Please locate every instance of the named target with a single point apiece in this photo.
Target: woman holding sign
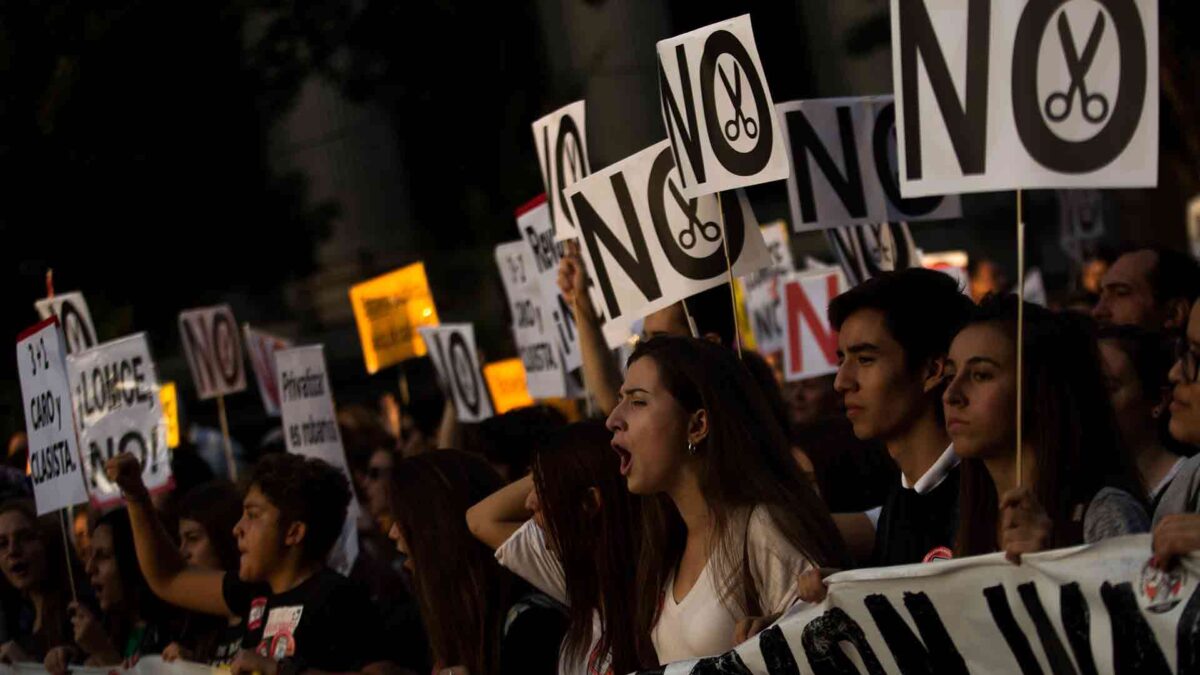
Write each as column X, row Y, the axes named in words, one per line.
column 733, row 522
column 1075, row 484
column 33, row 561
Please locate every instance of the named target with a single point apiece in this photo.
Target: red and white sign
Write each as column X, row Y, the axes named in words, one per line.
column 810, row 349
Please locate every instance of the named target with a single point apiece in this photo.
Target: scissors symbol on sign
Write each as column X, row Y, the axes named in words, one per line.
column 733, row 127
column 708, row 229
column 1060, row 104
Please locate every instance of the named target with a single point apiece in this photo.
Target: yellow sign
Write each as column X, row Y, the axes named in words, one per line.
column 170, row 408
column 506, row 381
column 388, row 311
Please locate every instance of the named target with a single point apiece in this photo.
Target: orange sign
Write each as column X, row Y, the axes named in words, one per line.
column 506, row 381
column 388, row 310
column 170, row 408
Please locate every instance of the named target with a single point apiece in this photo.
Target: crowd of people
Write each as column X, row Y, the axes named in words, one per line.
column 706, row 498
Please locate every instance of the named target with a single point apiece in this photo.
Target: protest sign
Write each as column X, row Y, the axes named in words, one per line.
column 169, row 399
column 561, row 142
column 54, row 464
column 1025, row 94
column 760, row 292
column 388, row 310
column 1101, row 609
column 262, row 347
column 310, row 429
column 843, row 157
column 864, row 251
column 648, row 246
column 506, row 382
column 532, row 326
column 74, row 318
column 214, row 350
column 718, row 110
column 114, row 387
column 810, row 349
column 452, row 348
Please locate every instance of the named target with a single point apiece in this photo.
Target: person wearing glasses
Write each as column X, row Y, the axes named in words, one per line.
column 1177, row 518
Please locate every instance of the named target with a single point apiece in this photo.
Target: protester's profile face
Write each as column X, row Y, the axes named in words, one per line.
column 1134, row 411
column 22, row 553
column 102, row 569
column 667, row 321
column 1126, row 298
column 811, row 400
column 402, row 547
column 259, row 536
column 880, row 394
column 1185, row 392
column 649, row 431
column 195, row 545
column 980, row 399
column 375, row 483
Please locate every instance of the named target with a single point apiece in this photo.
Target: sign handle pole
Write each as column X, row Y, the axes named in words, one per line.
column 225, row 437
column 1020, row 330
column 737, row 329
column 62, row 522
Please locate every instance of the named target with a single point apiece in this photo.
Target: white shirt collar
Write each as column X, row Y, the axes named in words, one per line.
column 935, row 475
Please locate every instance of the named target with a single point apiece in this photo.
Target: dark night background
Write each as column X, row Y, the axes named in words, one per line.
column 162, row 156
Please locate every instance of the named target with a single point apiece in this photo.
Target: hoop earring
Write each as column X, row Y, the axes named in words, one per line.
column 691, row 448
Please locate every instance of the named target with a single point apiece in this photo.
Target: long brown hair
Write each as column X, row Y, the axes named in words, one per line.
column 55, row 587
column 1069, row 422
column 744, row 462
column 596, row 545
column 462, row 591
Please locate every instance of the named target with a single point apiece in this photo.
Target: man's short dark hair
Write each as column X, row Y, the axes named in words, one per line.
column 1175, row 275
column 922, row 309
column 712, row 310
column 305, row 490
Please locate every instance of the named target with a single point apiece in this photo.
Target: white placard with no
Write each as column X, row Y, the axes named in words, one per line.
column 54, row 464
column 647, row 246
column 761, row 291
column 214, row 350
column 452, row 348
column 810, row 349
column 1006, row 95
column 114, row 387
column 717, row 109
column 561, row 142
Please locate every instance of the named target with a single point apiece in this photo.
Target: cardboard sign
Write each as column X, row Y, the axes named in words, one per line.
column 214, row 350
column 718, row 110
column 262, row 347
column 864, row 251
column 169, row 399
column 54, row 464
column 648, row 246
column 533, row 329
column 114, row 387
column 843, row 158
column 811, row 346
column 761, row 291
column 506, row 382
column 74, row 318
column 561, row 142
column 452, row 348
column 1025, row 94
column 310, row 428
column 534, row 226
column 388, row 310
column 1102, row 607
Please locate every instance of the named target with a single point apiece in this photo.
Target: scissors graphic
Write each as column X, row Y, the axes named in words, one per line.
column 1060, row 104
column 708, row 229
column 733, row 128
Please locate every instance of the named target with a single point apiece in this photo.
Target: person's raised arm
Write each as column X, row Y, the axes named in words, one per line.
column 493, row 520
column 601, row 376
column 165, row 571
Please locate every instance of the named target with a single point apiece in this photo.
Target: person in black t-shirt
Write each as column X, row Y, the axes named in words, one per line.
column 298, row 614
column 893, row 334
